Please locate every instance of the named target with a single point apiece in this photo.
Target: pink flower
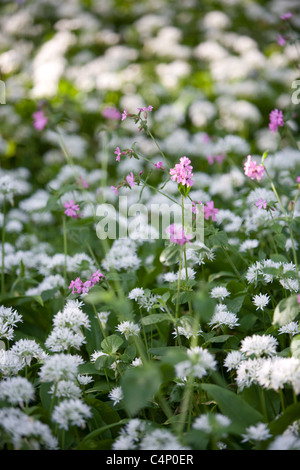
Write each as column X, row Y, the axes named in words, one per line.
column 261, row 203
column 111, row 113
column 182, row 173
column 253, row 170
column 286, row 16
column 159, row 166
column 40, row 120
column 276, row 119
column 76, row 286
column 215, row 158
column 194, row 207
column 83, row 182
column 124, row 114
column 80, row 287
column 280, row 40
column 146, row 109
column 118, row 153
column 97, row 276
column 298, row 179
column 177, row 235
column 71, row 209
column 130, row 179
column 298, row 299
column 114, row 190
column 210, row 211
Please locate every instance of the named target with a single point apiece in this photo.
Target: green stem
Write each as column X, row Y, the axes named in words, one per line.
column 3, row 253
column 157, row 145
column 178, row 287
column 65, row 250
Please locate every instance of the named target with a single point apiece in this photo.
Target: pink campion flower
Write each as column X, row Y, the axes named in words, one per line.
column 124, row 115
column 71, row 209
column 97, row 276
column 115, row 190
column 276, row 120
column 111, row 113
column 215, row 158
column 298, row 179
column 177, row 234
column 194, row 207
column 159, row 166
column 76, row 286
column 210, row 159
column 80, row 287
column 210, row 211
column 130, row 179
column 280, row 40
column 286, row 16
column 261, row 203
column 118, row 153
column 182, row 173
column 40, row 120
column 146, row 109
column 253, row 170
column 82, row 182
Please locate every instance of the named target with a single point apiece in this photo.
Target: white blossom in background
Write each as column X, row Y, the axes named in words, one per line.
column 71, row 412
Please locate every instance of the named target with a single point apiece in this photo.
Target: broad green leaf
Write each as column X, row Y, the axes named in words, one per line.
column 295, row 346
column 155, row 318
column 232, row 405
column 111, row 344
column 286, row 311
column 140, row 385
column 287, row 417
column 170, row 255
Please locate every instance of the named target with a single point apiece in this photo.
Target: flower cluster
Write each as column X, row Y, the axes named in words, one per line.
column 182, row 172
column 253, row 170
column 178, row 235
column 80, row 287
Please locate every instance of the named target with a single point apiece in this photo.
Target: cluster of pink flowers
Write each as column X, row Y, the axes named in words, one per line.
column 177, row 234
column 276, row 120
column 119, row 152
column 159, row 166
column 253, row 170
column 71, row 209
column 182, row 173
column 125, row 114
column 80, row 287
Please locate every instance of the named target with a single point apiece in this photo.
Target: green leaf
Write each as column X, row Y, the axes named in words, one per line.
column 140, row 385
column 295, row 346
column 286, row 311
column 219, row 239
column 170, row 255
column 155, row 318
column 287, row 417
column 111, row 344
column 239, row 411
